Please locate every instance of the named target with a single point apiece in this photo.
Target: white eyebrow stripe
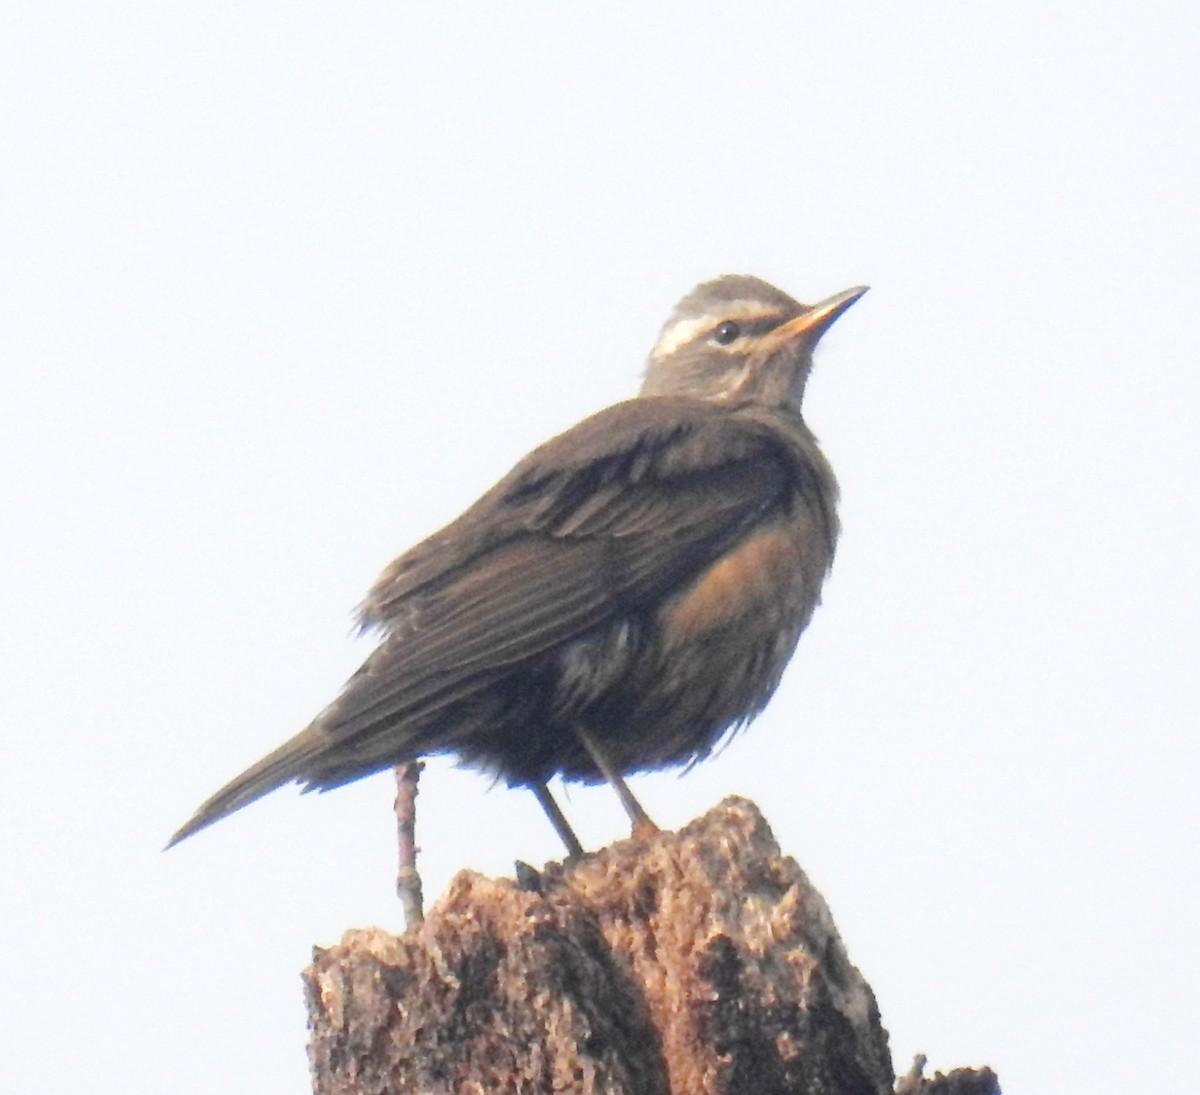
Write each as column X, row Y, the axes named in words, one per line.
column 680, row 332
column 683, row 331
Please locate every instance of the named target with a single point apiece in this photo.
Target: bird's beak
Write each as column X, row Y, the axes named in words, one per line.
column 818, row 319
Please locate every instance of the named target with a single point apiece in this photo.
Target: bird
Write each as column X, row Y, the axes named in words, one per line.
column 625, row 597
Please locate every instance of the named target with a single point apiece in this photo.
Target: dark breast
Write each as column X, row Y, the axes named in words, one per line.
column 714, row 652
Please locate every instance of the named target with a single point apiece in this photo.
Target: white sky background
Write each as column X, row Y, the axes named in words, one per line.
column 285, row 287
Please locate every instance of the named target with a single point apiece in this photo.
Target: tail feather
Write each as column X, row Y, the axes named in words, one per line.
column 291, row 761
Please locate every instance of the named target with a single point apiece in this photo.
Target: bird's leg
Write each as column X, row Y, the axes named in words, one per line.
column 640, row 820
column 557, row 819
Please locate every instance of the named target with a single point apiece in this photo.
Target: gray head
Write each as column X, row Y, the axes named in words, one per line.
column 739, row 340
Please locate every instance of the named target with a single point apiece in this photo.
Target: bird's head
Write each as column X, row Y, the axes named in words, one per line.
column 739, row 340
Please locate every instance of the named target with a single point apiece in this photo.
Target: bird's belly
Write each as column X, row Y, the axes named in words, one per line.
column 717, row 651
column 660, row 687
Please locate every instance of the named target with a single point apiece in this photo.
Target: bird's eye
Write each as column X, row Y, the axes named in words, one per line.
column 726, row 332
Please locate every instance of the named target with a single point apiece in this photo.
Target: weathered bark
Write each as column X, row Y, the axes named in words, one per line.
column 699, row 962
column 962, row 1081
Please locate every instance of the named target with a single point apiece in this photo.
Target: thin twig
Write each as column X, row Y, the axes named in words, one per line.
column 408, row 881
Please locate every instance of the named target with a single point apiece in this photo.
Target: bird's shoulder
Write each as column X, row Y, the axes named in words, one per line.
column 647, row 463
column 655, row 437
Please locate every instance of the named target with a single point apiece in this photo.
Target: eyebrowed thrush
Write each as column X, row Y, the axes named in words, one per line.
column 627, row 594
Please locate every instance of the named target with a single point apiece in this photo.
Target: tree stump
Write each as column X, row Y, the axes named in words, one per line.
column 701, row 962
